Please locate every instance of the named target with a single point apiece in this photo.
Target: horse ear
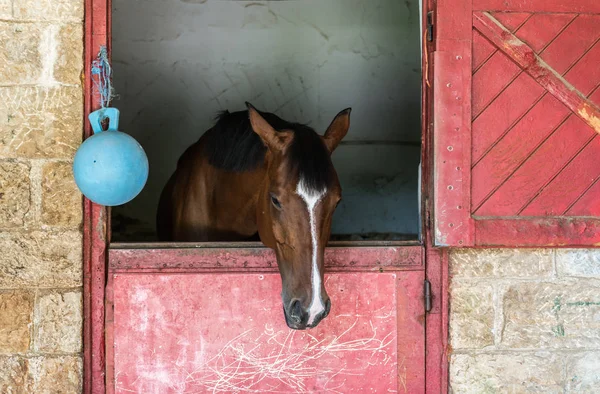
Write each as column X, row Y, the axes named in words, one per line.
column 272, row 138
column 337, row 130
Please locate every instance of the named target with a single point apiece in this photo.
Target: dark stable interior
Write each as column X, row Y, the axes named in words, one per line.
column 177, row 64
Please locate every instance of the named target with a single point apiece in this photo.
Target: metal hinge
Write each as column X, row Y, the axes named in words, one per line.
column 427, row 295
column 430, row 26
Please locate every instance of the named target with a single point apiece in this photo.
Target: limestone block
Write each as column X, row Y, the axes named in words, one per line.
column 13, row 375
column 14, row 193
column 539, row 372
column 40, row 258
column 471, row 315
column 66, row 10
column 39, row 122
column 583, row 373
column 5, row 9
column 497, row 263
column 16, row 312
column 20, row 60
column 51, row 375
column 58, row 321
column 69, row 54
column 61, row 200
column 557, row 315
column 44, row 54
column 578, row 262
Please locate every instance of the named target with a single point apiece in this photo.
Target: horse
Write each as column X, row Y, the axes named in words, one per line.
column 253, row 175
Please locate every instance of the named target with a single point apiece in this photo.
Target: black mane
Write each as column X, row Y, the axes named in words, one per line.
column 232, row 145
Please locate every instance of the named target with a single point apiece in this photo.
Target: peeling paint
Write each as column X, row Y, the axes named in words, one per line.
column 535, row 66
column 590, row 115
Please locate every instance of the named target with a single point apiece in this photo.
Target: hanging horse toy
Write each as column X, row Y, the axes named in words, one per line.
column 110, row 167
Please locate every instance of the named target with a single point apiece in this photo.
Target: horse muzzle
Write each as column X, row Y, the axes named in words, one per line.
column 296, row 316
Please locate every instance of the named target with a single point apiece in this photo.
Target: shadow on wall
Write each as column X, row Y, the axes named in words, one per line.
column 177, row 64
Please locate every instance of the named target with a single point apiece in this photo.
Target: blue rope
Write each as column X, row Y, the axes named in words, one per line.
column 102, row 77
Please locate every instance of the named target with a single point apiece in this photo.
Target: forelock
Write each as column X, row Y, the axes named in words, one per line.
column 310, row 158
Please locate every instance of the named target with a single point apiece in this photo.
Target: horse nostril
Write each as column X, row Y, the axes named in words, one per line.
column 296, row 310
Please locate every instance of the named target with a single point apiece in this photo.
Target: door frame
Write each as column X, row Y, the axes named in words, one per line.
column 96, row 218
column 96, row 227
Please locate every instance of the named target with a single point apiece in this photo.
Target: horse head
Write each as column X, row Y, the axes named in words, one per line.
column 295, row 207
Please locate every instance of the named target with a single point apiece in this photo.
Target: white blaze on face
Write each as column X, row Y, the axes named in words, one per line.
column 312, row 198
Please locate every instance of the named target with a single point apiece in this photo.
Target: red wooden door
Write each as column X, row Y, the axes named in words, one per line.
column 198, row 319
column 210, row 320
column 516, row 94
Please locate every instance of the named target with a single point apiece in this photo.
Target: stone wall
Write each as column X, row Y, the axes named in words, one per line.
column 525, row 321
column 41, row 114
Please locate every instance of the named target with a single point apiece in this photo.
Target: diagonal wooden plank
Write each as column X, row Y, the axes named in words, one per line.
column 482, row 50
column 569, row 185
column 551, row 156
column 576, row 39
column 500, row 163
column 504, row 113
column 494, row 121
column 495, row 166
column 533, row 65
column 588, row 204
column 490, row 80
column 513, row 20
column 585, row 74
column 542, row 29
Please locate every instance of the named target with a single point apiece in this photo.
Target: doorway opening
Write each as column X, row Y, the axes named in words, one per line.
column 178, row 63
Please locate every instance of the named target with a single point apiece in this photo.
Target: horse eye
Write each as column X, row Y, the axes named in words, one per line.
column 276, row 202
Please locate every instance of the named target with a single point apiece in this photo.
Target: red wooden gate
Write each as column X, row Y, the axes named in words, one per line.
column 516, row 123
column 192, row 320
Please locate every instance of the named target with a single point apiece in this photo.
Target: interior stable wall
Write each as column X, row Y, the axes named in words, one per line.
column 178, row 63
column 41, row 119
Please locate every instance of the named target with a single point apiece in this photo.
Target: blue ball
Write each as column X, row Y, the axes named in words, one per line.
column 110, row 168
